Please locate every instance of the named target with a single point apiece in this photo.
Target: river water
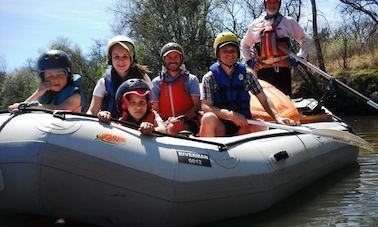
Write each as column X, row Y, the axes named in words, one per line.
column 348, row 197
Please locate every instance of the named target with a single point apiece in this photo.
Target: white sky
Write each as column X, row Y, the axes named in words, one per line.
column 27, row 26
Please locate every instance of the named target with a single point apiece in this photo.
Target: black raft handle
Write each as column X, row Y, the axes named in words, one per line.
column 282, row 155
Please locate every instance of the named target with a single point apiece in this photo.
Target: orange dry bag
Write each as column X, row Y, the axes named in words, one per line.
column 283, row 104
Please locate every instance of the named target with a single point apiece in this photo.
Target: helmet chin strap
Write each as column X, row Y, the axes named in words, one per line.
column 229, row 66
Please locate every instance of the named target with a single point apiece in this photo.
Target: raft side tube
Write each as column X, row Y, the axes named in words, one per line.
column 128, row 170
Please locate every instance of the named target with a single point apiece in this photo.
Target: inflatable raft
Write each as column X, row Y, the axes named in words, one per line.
column 71, row 166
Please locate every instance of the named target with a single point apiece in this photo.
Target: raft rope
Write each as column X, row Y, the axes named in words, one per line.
column 12, row 115
column 20, row 110
column 221, row 146
column 62, row 115
column 25, row 108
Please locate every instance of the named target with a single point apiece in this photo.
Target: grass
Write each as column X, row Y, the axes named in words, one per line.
column 365, row 65
column 361, row 75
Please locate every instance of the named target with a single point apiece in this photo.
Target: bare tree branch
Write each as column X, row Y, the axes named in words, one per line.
column 319, row 53
column 367, row 7
column 3, row 66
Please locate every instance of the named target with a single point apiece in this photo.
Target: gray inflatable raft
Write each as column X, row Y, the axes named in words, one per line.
column 71, row 166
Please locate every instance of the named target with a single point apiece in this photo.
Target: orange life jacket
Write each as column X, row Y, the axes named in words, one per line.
column 174, row 100
column 148, row 117
column 272, row 51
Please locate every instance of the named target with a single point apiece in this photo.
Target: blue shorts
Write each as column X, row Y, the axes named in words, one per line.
column 231, row 129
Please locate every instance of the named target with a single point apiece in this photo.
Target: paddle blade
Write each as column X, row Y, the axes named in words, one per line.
column 340, row 136
column 344, row 137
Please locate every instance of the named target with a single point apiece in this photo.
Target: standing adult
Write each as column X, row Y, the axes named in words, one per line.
column 225, row 93
column 122, row 66
column 266, row 46
column 175, row 92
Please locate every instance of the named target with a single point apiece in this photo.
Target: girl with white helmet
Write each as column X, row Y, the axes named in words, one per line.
column 123, row 66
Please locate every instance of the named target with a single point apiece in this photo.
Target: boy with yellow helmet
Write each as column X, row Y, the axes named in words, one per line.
column 225, row 92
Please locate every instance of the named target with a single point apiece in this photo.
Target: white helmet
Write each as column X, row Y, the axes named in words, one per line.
column 125, row 42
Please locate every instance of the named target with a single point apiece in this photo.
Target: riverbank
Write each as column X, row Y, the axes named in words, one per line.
column 362, row 76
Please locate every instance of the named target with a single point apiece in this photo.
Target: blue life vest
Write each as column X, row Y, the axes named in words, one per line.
column 112, row 83
column 231, row 93
column 59, row 97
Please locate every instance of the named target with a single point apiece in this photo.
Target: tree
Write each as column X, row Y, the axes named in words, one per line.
column 79, row 62
column 343, row 34
column 362, row 14
column 97, row 63
column 3, row 71
column 155, row 22
column 98, row 60
column 293, row 8
column 253, row 7
column 17, row 86
column 3, row 67
column 233, row 16
column 319, row 53
column 367, row 7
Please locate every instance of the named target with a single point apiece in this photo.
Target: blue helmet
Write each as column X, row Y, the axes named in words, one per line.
column 54, row 60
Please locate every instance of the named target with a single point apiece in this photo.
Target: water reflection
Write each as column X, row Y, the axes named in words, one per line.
column 320, row 204
column 366, row 127
column 348, row 197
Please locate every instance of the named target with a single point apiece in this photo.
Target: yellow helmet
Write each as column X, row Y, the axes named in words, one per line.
column 223, row 39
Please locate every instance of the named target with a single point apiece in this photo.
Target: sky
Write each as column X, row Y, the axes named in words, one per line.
column 27, row 27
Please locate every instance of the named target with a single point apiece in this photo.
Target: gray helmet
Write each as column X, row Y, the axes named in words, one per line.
column 54, row 60
column 170, row 47
column 135, row 86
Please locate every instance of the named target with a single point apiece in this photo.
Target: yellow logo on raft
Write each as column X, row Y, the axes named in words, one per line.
column 110, row 138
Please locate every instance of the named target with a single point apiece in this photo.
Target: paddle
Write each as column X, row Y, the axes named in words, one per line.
column 329, row 77
column 340, row 136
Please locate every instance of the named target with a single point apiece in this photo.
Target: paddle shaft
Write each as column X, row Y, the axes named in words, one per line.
column 340, row 136
column 280, row 126
column 329, row 77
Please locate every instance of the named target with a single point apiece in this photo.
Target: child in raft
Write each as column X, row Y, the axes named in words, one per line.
column 133, row 101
